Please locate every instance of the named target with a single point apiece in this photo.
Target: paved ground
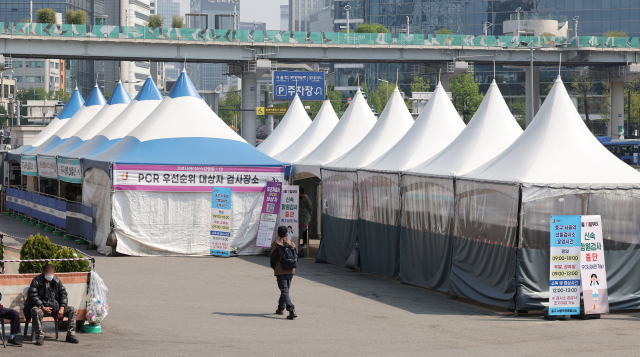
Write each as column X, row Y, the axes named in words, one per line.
column 224, row 307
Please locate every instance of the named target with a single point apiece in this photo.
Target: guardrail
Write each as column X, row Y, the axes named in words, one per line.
column 298, row 37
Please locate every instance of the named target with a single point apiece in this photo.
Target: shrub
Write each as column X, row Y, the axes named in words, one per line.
column 444, row 31
column 46, row 16
column 70, row 266
column 39, row 247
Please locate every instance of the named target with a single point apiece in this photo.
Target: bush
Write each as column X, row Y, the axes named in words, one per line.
column 444, row 31
column 76, row 17
column 39, row 247
column 46, row 16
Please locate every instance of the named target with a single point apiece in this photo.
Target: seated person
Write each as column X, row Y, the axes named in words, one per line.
column 14, row 317
column 48, row 296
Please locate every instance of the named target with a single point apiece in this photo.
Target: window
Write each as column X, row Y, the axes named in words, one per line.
column 35, row 79
column 34, row 64
column 51, row 65
column 57, row 79
column 57, row 65
column 51, row 79
column 17, row 64
column 18, row 79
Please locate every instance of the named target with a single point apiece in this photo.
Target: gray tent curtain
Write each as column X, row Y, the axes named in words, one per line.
column 379, row 223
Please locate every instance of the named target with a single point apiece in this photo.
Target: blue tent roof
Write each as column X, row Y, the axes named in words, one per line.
column 73, row 104
column 95, row 98
column 149, row 91
column 119, row 96
column 184, row 88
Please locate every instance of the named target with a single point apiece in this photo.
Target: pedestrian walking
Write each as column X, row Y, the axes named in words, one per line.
column 284, row 261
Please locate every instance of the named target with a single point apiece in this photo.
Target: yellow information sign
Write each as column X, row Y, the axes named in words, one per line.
column 259, row 110
column 271, row 110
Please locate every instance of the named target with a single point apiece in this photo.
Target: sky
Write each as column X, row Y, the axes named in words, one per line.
column 259, row 10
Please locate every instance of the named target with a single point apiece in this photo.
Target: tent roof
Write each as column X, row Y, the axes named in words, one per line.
column 491, row 130
column 557, row 149
column 392, row 125
column 320, row 127
column 354, row 125
column 294, row 123
column 105, row 116
column 89, row 109
column 437, row 125
column 122, row 125
column 182, row 130
column 74, row 103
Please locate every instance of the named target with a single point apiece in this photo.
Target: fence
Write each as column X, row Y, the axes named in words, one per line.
column 76, row 219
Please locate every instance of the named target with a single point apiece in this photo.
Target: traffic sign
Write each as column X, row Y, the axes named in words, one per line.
column 308, row 85
column 259, row 110
column 271, row 110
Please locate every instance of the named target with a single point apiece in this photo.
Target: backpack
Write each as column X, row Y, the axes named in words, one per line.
column 289, row 258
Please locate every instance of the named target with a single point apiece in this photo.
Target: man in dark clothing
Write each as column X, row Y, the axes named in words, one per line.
column 283, row 276
column 48, row 296
column 14, row 317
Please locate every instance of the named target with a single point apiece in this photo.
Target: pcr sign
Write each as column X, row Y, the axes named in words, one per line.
column 308, row 85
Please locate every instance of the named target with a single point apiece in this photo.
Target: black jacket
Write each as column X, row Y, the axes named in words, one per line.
column 37, row 290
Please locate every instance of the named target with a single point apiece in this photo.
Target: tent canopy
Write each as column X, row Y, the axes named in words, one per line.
column 291, row 127
column 393, row 124
column 148, row 98
column 182, row 130
column 558, row 149
column 118, row 101
column 74, row 103
column 89, row 109
column 491, row 130
column 437, row 125
column 320, row 127
column 354, row 125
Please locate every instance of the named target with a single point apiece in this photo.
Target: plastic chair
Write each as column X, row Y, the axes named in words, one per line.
column 26, row 322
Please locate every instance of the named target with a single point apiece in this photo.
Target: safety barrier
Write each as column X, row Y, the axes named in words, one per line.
column 303, row 37
column 73, row 217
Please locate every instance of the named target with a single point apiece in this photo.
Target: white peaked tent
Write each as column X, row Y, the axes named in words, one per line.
column 556, row 167
column 341, row 181
column 380, row 188
column 428, row 191
column 320, row 128
column 291, row 127
column 354, row 125
column 74, row 103
column 162, row 174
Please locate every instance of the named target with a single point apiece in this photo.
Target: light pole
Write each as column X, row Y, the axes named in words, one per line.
column 485, row 28
column 518, row 19
column 387, row 82
column 407, row 25
column 347, row 8
column 509, row 89
column 530, row 45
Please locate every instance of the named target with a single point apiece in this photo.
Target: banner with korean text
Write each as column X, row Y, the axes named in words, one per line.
column 28, row 166
column 69, row 170
column 221, row 221
column 193, row 178
column 47, row 167
column 288, row 215
column 269, row 214
column 564, row 280
column 592, row 267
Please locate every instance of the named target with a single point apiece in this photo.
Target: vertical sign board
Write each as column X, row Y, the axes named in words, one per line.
column 592, row 268
column 221, row 221
column 269, row 215
column 28, row 166
column 307, row 85
column 47, row 167
column 564, row 282
column 288, row 215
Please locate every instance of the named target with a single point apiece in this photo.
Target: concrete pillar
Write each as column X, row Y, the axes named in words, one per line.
column 249, row 98
column 532, row 107
column 617, row 109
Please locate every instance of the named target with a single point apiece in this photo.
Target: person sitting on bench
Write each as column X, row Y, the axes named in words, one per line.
column 47, row 295
column 14, row 317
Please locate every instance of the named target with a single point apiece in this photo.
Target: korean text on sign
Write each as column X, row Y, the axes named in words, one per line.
column 220, row 221
column 564, row 279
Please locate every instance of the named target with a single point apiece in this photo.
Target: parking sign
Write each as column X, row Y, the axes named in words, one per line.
column 308, row 85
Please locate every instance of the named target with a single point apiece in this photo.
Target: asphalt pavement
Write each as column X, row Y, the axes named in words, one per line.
column 196, row 306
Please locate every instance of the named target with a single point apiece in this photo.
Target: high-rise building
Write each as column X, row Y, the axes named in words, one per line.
column 284, row 18
column 167, row 9
column 300, row 12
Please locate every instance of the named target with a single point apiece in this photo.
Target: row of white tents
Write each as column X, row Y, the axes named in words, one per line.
column 178, row 132
column 464, row 209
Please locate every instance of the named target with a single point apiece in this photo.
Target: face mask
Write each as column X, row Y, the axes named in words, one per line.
column 49, row 277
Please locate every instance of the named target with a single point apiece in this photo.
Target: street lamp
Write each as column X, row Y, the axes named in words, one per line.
column 518, row 19
column 509, row 89
column 530, row 45
column 347, row 8
column 387, row 82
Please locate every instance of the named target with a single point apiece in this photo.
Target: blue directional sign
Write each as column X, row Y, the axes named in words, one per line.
column 308, row 85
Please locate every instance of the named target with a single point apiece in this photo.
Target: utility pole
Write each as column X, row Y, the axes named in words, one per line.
column 347, row 8
column 407, row 25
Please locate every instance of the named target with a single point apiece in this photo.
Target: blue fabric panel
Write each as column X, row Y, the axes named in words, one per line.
column 95, row 98
column 16, row 156
column 87, row 227
column 51, row 203
column 35, row 198
column 119, row 96
column 184, row 87
column 10, row 193
column 73, row 104
column 62, row 207
column 92, row 147
column 21, row 196
column 149, row 91
column 70, row 144
column 27, row 208
column 49, row 144
column 74, row 225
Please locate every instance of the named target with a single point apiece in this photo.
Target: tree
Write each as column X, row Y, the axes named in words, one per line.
column 39, row 93
column 420, row 84
column 444, row 31
column 547, row 34
column 177, row 21
column 371, row 28
column 155, row 21
column 466, row 95
column 336, row 101
column 615, row 34
column 582, row 86
column 107, row 95
column 76, row 17
column 380, row 96
column 46, row 16
column 25, row 20
column 605, row 109
column 230, row 106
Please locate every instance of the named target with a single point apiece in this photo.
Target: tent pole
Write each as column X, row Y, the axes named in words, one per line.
column 516, row 246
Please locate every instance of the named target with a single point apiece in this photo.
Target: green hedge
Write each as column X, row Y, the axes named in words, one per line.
column 39, row 247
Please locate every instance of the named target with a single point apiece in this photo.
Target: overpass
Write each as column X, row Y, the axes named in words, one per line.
column 250, row 54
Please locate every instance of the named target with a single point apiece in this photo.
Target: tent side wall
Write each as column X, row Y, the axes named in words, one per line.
column 339, row 217
column 484, row 244
column 427, row 227
column 96, row 191
column 619, row 210
column 379, row 223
